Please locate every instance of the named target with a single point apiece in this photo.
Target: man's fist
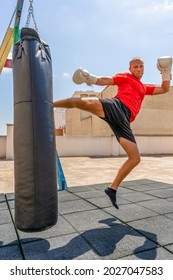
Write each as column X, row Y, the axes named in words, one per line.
column 164, row 64
column 81, row 76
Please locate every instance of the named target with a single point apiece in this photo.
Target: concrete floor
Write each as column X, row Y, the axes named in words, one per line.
column 89, row 227
column 81, row 171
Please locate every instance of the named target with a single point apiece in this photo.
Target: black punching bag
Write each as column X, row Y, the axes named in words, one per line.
column 34, row 134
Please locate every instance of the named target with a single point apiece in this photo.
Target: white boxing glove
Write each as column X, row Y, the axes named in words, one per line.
column 81, row 76
column 164, row 65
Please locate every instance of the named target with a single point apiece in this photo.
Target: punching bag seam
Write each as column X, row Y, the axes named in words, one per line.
column 36, row 100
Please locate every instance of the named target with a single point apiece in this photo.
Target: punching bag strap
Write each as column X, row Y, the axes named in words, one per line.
column 20, row 49
column 31, row 13
column 43, row 53
column 26, row 34
column 29, row 33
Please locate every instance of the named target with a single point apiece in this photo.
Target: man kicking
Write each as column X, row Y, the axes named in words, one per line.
column 121, row 110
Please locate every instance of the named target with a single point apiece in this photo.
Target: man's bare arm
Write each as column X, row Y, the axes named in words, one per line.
column 104, row 81
column 164, row 88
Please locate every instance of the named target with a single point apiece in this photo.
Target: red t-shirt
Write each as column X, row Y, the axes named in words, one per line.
column 131, row 92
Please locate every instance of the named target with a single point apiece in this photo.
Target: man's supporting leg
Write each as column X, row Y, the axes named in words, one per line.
column 92, row 105
column 133, row 160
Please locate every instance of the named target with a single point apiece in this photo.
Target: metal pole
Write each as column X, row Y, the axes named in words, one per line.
column 17, row 19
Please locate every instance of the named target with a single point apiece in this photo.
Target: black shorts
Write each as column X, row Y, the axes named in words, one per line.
column 117, row 115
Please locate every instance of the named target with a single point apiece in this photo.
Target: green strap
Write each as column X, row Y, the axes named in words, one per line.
column 16, row 34
column 17, row 19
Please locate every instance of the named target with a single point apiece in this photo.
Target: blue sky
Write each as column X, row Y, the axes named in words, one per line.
column 99, row 35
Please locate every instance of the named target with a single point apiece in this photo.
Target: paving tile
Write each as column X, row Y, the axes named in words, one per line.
column 74, row 206
column 3, row 206
column 170, row 248
column 169, row 215
column 116, row 241
column 5, row 217
column 153, row 254
column 140, row 188
column 80, row 188
column 130, row 212
column 137, row 182
column 65, row 195
column 61, row 228
column 12, row 211
column 2, row 197
column 100, row 187
column 11, row 203
column 104, row 201
column 10, row 196
column 3, row 203
column 8, row 235
column 90, row 194
column 67, row 247
column 136, row 196
column 159, row 185
column 88, row 220
column 10, row 253
column 161, row 193
column 160, row 226
column 10, row 199
column 161, row 206
column 132, row 183
column 124, row 191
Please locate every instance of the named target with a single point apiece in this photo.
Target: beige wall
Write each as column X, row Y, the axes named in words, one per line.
column 76, row 146
column 155, row 117
column 153, row 128
column 9, row 142
column 91, row 125
column 2, row 147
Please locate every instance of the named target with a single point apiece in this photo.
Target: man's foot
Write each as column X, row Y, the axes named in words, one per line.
column 112, row 195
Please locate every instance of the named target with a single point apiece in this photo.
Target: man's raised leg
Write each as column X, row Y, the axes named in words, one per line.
column 92, row 105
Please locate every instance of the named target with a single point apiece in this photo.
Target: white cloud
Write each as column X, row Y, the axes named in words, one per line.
column 155, row 10
column 134, row 9
column 66, row 75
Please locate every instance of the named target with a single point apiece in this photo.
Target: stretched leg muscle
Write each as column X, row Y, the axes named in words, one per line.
column 92, row 105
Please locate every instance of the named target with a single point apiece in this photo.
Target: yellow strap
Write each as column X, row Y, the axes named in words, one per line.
column 6, row 47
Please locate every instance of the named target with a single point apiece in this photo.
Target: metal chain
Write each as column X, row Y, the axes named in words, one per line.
column 31, row 13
